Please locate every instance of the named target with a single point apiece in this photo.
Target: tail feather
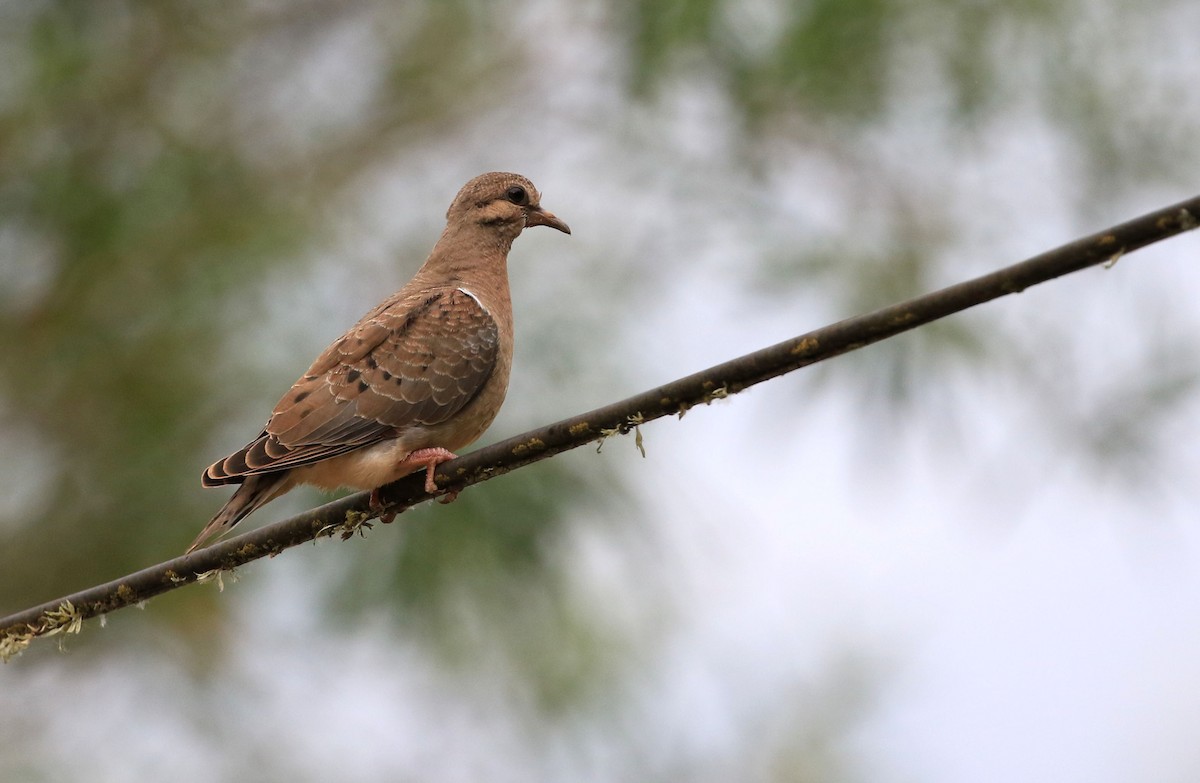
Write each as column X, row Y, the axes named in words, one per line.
column 254, row 493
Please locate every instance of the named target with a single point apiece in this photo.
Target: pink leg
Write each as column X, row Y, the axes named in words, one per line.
column 376, row 507
column 428, row 459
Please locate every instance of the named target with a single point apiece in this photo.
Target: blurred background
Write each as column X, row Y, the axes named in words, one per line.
column 969, row 553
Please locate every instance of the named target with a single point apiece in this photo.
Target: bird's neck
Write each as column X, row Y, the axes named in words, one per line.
column 475, row 257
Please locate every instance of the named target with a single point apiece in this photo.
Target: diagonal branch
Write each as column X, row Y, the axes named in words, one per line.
column 349, row 514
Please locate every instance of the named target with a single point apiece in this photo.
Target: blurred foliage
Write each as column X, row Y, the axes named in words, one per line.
column 139, row 188
column 159, row 161
column 143, row 192
column 119, row 323
column 474, row 576
column 825, row 57
column 831, row 60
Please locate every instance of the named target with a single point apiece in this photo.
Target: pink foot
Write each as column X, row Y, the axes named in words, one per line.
column 428, row 459
column 376, row 506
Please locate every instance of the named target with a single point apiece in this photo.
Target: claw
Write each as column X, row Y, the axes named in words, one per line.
column 428, row 459
column 421, row 458
column 376, row 506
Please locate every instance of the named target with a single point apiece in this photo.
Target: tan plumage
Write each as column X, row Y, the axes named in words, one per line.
column 422, row 374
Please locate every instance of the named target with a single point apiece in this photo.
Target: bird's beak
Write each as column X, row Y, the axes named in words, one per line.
column 541, row 217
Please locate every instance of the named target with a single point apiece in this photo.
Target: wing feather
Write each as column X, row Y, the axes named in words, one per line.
column 411, row 362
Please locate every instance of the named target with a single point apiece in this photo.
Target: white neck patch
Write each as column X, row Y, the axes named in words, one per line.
column 476, row 298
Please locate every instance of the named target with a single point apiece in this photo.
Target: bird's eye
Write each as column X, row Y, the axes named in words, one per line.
column 516, row 194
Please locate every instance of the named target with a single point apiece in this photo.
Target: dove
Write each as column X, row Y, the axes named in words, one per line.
column 420, row 376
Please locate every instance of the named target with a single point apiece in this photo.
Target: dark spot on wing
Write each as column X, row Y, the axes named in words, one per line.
column 419, row 311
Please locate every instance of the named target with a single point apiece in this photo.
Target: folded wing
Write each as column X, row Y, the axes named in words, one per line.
column 407, row 363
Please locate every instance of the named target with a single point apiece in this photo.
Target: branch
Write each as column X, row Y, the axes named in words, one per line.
column 350, row 514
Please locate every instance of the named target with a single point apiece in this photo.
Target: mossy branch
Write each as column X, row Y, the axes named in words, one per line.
column 350, row 514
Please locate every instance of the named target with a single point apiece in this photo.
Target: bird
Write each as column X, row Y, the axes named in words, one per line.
column 420, row 376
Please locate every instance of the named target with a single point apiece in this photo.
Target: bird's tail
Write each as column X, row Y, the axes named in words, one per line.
column 254, row 492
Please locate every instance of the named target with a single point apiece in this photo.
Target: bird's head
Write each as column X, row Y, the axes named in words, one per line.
column 507, row 203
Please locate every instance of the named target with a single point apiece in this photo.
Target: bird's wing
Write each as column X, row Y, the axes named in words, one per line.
column 412, row 362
